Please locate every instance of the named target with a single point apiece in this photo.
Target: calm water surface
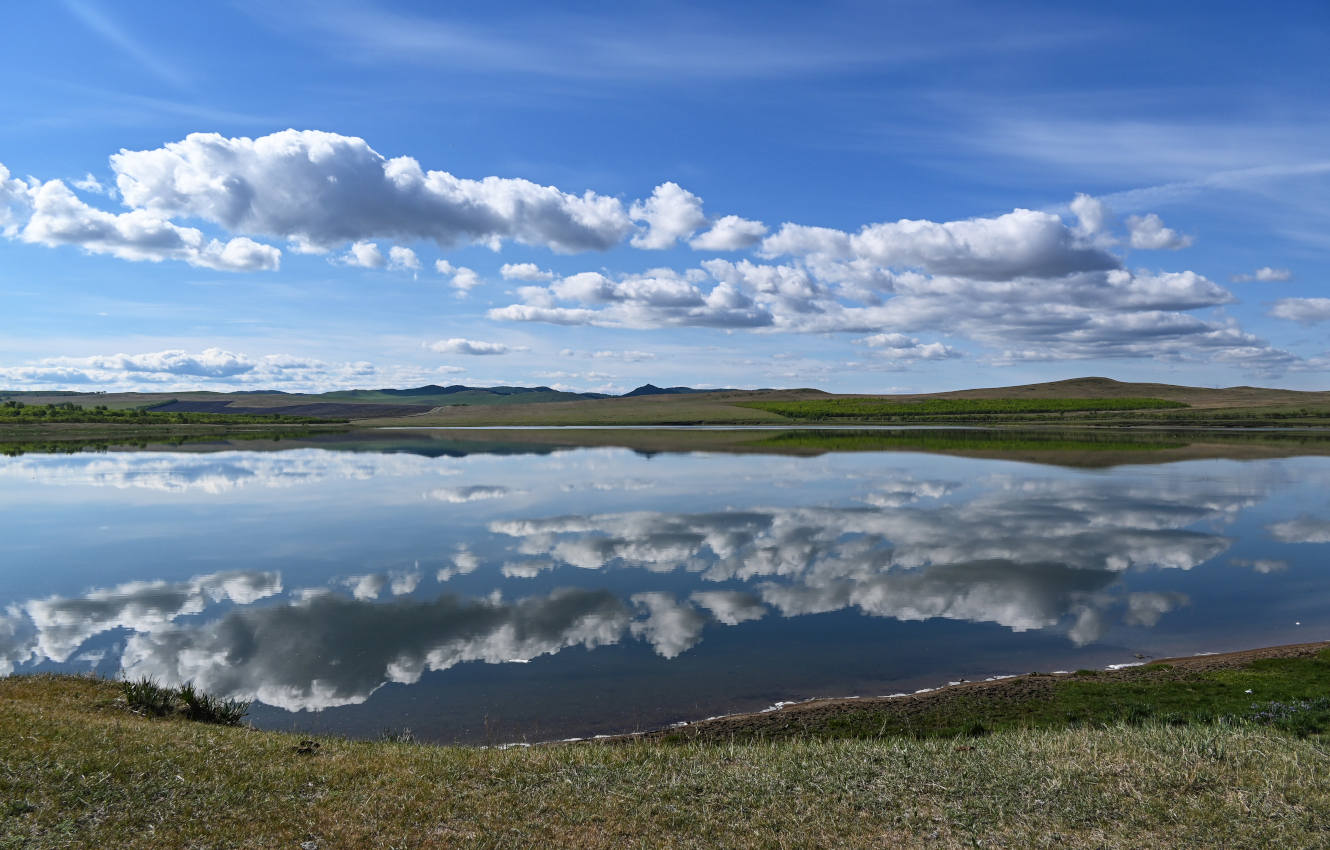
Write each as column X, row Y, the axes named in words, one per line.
column 510, row 594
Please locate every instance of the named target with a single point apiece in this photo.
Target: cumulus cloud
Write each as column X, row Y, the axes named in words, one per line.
column 1109, row 313
column 458, row 345
column 902, row 348
column 1265, row 274
column 15, row 203
column 56, row 216
column 463, row 279
column 403, row 259
column 89, row 183
column 1307, row 311
column 670, row 214
column 524, row 271
column 656, row 298
column 325, row 189
column 1091, row 215
column 1024, row 284
column 176, row 366
column 1021, row 243
column 1148, row 233
column 365, row 255
column 729, row 233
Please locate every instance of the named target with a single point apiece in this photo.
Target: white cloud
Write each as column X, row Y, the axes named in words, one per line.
column 15, row 203
column 1021, row 243
column 458, row 345
column 629, row 356
column 899, row 347
column 1308, row 311
column 671, row 213
column 463, row 278
column 1091, row 215
column 656, row 298
column 177, row 367
column 1265, row 274
column 524, row 271
column 730, row 233
column 1148, row 233
column 1081, row 315
column 324, row 189
column 89, row 183
column 365, row 255
column 626, row 356
column 403, row 259
column 58, row 217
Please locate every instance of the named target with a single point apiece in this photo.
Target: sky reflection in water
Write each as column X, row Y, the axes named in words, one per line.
column 641, row 590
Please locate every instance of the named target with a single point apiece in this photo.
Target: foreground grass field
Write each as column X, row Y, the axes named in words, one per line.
column 78, row 770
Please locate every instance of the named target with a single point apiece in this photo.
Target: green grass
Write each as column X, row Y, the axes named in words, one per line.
column 873, row 408
column 16, row 412
column 77, row 770
column 1292, row 694
column 146, row 697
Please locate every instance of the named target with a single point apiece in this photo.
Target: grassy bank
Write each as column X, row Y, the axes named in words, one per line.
column 78, row 769
column 17, row 413
column 1284, row 687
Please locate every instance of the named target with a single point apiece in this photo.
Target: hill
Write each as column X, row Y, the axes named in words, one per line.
column 1082, row 400
column 1093, row 400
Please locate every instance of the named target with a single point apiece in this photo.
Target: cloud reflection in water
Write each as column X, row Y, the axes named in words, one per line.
column 1024, row 553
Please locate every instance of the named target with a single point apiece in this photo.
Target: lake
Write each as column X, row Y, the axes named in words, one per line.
column 492, row 591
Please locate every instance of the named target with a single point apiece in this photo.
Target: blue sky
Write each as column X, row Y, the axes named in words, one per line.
column 866, row 197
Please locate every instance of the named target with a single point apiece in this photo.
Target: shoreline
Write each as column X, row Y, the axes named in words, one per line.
column 997, row 686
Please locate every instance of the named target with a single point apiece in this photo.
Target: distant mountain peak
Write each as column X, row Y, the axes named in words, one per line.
column 652, row 389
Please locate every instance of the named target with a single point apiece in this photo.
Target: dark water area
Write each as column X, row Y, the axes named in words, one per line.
column 510, row 593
